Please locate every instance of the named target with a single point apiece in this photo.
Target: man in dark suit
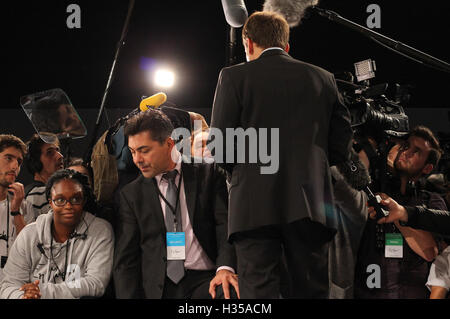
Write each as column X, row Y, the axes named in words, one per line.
column 171, row 199
column 287, row 214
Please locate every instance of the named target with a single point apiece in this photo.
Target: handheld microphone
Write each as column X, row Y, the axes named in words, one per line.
column 292, row 10
column 235, row 12
column 153, row 101
column 374, row 201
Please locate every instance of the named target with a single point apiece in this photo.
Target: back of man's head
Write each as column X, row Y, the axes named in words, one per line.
column 33, row 159
column 153, row 121
column 267, row 29
column 435, row 150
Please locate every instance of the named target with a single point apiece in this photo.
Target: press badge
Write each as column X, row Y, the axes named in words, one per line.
column 393, row 245
column 176, row 246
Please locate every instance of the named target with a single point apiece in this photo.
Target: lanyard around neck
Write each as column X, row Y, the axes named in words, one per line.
column 173, row 209
column 62, row 273
column 7, row 225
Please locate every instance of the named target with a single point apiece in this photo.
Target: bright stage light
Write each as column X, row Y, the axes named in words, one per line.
column 164, row 78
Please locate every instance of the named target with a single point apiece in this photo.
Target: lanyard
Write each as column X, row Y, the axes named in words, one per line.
column 174, row 210
column 8, row 235
column 63, row 274
column 7, row 225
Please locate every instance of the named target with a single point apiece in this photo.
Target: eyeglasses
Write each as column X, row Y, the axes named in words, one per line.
column 61, row 202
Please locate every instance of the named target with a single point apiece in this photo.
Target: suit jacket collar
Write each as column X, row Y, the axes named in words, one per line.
column 150, row 189
column 273, row 53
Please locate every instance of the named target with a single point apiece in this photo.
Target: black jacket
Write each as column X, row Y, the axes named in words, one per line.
column 433, row 220
column 301, row 100
column 140, row 255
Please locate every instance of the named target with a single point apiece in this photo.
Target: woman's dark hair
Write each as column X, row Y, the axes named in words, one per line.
column 76, row 161
column 69, row 174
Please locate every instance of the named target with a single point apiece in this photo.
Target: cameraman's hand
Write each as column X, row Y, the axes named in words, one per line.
column 18, row 195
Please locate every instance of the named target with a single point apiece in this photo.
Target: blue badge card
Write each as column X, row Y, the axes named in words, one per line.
column 176, row 246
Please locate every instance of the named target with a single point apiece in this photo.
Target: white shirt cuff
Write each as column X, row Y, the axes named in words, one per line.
column 225, row 268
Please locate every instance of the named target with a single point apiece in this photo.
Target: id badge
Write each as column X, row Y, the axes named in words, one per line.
column 393, row 245
column 176, row 246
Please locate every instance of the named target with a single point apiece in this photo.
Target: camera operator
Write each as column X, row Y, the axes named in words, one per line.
column 402, row 252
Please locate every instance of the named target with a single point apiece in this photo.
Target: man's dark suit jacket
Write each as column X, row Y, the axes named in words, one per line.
column 302, row 100
column 140, row 254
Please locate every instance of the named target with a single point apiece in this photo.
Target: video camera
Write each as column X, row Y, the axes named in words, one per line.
column 372, row 113
column 376, row 117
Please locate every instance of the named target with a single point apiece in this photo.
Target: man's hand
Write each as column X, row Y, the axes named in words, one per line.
column 225, row 278
column 31, row 291
column 396, row 211
column 18, row 195
column 438, row 292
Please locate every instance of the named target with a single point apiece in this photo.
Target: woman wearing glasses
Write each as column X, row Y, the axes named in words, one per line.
column 66, row 253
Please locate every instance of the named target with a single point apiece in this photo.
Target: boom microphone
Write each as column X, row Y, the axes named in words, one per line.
column 235, row 12
column 354, row 172
column 292, row 10
column 153, row 101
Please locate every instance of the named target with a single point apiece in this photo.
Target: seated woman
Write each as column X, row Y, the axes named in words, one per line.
column 67, row 253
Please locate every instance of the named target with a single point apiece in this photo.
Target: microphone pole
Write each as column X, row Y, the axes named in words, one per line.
column 120, row 44
column 232, row 44
column 391, row 44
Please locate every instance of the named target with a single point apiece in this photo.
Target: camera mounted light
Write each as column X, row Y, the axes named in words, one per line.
column 365, row 70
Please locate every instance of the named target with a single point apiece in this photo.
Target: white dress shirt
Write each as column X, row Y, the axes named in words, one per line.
column 272, row 48
column 196, row 258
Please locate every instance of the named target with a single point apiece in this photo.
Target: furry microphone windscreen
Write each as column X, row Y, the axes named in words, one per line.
column 292, row 10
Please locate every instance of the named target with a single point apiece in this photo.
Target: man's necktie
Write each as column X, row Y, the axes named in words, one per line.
column 175, row 268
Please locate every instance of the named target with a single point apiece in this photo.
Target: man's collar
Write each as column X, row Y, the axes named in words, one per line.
column 273, row 51
column 272, row 48
column 178, row 161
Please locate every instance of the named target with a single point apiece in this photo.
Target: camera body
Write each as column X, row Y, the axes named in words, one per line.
column 374, row 117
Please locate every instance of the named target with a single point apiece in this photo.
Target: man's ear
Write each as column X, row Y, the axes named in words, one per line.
column 287, row 48
column 250, row 45
column 170, row 142
column 427, row 169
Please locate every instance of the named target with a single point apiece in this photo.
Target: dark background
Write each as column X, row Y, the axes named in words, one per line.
column 190, row 37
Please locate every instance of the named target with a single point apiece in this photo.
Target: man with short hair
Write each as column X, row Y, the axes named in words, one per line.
column 403, row 253
column 42, row 161
column 287, row 211
column 171, row 238
column 15, row 212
